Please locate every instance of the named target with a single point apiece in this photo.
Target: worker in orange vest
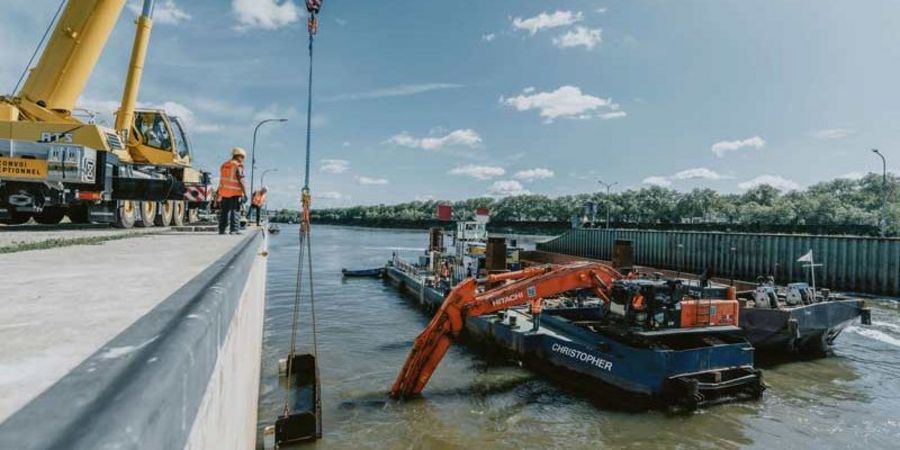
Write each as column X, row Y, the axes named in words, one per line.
column 231, row 191
column 257, row 201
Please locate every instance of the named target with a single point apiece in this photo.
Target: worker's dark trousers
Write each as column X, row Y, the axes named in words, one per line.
column 229, row 209
column 257, row 210
column 535, row 322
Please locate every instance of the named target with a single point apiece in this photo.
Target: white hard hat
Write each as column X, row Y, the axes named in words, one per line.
column 237, row 151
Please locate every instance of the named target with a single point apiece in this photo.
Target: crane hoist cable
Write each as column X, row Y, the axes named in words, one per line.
column 37, row 49
column 313, row 7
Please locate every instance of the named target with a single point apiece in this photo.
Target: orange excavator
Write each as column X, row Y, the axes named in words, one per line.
column 525, row 287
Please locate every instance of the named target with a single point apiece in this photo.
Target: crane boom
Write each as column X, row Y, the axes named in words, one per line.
column 125, row 117
column 71, row 53
column 531, row 287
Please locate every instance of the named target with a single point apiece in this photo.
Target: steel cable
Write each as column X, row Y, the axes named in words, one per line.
column 305, row 237
column 38, row 49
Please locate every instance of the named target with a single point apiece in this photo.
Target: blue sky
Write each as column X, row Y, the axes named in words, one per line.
column 451, row 100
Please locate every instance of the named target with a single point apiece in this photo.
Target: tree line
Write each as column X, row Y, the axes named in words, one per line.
column 852, row 203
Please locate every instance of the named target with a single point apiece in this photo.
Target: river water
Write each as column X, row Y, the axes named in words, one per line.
column 851, row 400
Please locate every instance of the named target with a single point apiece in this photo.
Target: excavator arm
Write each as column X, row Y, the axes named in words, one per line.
column 526, row 287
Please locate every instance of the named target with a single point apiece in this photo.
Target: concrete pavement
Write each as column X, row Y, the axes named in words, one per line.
column 62, row 305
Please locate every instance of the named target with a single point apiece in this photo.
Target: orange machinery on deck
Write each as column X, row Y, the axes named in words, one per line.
column 710, row 313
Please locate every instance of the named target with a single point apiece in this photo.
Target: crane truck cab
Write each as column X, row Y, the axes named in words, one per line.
column 159, row 139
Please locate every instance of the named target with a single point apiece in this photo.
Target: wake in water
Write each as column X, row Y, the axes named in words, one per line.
column 876, row 335
column 892, row 326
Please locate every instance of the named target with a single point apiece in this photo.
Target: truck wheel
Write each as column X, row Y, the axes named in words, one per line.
column 125, row 214
column 178, row 214
column 79, row 214
column 16, row 217
column 193, row 215
column 50, row 216
column 164, row 213
column 146, row 214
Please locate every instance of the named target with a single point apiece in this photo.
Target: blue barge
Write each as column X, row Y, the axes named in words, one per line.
column 681, row 369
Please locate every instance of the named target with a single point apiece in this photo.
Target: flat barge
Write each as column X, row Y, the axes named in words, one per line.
column 797, row 320
column 680, row 369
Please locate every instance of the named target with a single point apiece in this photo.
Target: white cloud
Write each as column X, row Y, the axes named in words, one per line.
column 506, row 188
column 544, row 21
column 186, row 114
column 613, row 115
column 334, row 165
column 478, row 172
column 833, row 133
column 330, row 195
column 853, row 176
column 99, row 106
column 534, row 174
column 265, row 14
column 488, row 37
column 368, row 181
column 700, row 173
column 657, row 181
column 464, row 138
column 770, row 180
column 723, row 147
column 396, row 91
column 565, row 102
column 276, row 111
column 165, row 13
column 346, row 143
column 105, row 111
column 601, row 10
column 580, row 36
column 340, row 21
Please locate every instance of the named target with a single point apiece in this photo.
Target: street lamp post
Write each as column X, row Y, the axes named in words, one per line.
column 262, row 178
column 883, row 221
column 253, row 150
column 608, row 200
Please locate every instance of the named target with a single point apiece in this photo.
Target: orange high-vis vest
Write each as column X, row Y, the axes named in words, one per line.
column 259, row 198
column 229, row 185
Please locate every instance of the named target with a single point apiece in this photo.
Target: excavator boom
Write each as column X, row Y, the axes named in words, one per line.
column 530, row 286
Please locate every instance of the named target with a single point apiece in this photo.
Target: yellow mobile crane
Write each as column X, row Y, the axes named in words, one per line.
column 53, row 164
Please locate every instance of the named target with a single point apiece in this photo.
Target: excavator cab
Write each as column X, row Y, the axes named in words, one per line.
column 159, row 139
